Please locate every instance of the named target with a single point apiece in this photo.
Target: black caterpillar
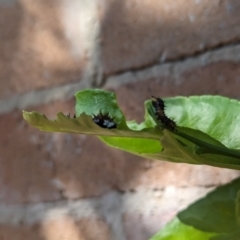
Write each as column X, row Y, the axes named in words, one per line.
column 159, row 107
column 74, row 116
column 104, row 120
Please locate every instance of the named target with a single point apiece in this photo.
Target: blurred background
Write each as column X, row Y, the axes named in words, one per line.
column 61, row 186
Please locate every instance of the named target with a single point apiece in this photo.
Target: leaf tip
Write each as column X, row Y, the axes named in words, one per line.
column 25, row 115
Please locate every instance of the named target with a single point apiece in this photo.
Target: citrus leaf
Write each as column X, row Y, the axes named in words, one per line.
column 217, row 116
column 89, row 103
column 176, row 230
column 229, row 236
column 237, row 204
column 206, row 133
column 216, row 212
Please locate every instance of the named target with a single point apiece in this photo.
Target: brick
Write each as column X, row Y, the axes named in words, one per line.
column 60, row 228
column 136, row 34
column 34, row 50
column 97, row 169
column 141, row 227
column 146, row 212
column 219, row 78
column 65, row 228
column 20, row 232
column 91, row 229
column 27, row 166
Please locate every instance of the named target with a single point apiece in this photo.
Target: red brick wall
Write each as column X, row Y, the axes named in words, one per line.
column 62, row 186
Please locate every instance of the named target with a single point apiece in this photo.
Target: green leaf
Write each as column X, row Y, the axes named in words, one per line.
column 176, row 230
column 137, row 146
column 90, row 102
column 191, row 145
column 214, row 217
column 94, row 101
column 229, row 236
column 206, row 133
column 215, row 212
column 237, row 204
column 217, row 116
